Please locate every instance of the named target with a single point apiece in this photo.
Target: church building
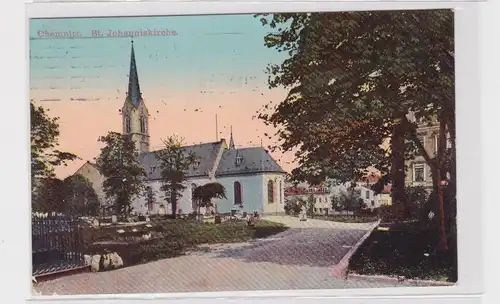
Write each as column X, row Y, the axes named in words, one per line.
column 252, row 178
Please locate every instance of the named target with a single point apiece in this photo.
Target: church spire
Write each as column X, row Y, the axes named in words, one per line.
column 231, row 140
column 134, row 91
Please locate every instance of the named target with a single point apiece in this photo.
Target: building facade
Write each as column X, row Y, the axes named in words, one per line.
column 323, row 195
column 418, row 172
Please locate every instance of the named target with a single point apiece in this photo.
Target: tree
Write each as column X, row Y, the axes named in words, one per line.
column 204, row 194
column 80, row 196
column 50, row 196
column 353, row 78
column 417, row 195
column 124, row 175
column 351, row 198
column 174, row 163
column 44, row 141
column 288, row 207
column 150, row 197
column 311, row 202
column 294, row 205
column 337, row 203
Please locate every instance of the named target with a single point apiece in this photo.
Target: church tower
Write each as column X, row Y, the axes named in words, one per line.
column 231, row 139
column 135, row 115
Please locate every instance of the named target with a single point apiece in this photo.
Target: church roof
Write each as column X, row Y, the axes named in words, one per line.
column 134, row 90
column 206, row 155
column 247, row 160
column 87, row 164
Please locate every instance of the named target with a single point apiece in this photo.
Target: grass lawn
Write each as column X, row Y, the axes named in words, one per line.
column 170, row 238
column 405, row 250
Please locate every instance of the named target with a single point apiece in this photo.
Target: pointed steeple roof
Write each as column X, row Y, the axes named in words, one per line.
column 134, row 91
column 231, row 140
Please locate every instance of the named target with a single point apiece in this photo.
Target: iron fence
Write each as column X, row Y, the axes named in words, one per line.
column 57, row 244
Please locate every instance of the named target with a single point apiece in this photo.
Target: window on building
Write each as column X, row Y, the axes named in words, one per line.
column 237, row 193
column 367, row 194
column 418, row 173
column 143, row 125
column 279, row 192
column 270, row 192
column 373, row 203
column 239, row 160
column 127, row 125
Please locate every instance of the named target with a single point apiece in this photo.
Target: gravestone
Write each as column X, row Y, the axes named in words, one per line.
column 114, row 219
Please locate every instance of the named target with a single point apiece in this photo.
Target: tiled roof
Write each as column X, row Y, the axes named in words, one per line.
column 233, row 161
column 247, row 160
column 206, row 155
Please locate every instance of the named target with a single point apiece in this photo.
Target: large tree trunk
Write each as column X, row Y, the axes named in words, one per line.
column 398, row 175
column 173, row 202
column 438, row 185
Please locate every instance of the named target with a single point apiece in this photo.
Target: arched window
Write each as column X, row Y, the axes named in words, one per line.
column 193, row 202
column 127, row 124
column 143, row 125
column 279, row 193
column 237, row 193
column 270, row 192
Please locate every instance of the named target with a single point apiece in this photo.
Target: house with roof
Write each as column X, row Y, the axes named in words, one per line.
column 253, row 180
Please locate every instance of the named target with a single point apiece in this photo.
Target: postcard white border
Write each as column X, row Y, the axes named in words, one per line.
column 468, row 128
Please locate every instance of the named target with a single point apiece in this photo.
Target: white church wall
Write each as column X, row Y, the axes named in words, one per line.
column 251, row 193
column 277, row 204
column 254, row 195
column 184, row 203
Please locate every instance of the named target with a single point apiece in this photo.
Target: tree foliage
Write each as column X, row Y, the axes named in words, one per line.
column 80, row 197
column 204, row 194
column 44, row 141
column 310, row 204
column 174, row 163
column 50, row 196
column 294, row 205
column 124, row 175
column 352, row 77
column 72, row 196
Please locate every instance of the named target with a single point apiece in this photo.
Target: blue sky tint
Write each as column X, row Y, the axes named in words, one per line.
column 217, row 50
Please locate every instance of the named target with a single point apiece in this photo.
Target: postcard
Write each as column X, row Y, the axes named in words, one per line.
column 244, row 152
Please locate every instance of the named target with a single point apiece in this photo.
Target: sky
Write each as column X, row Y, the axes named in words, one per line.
column 194, row 68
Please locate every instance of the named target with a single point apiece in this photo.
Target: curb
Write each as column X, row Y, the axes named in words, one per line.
column 339, row 270
column 397, row 280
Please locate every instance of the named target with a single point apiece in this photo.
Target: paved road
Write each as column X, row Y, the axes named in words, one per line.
column 300, row 258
